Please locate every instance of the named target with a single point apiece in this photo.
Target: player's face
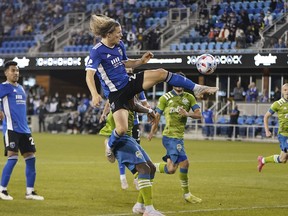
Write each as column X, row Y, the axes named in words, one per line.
column 115, row 36
column 178, row 90
column 12, row 74
column 285, row 91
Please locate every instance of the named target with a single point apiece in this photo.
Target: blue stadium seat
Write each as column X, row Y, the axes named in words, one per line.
column 226, row 46
column 203, row 46
column 196, row 46
column 173, row 47
column 211, row 46
column 189, row 46
column 181, row 46
column 218, row 46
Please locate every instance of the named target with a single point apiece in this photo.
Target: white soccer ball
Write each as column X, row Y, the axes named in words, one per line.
column 206, row 64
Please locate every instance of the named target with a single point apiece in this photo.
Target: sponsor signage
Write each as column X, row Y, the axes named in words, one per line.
column 181, row 61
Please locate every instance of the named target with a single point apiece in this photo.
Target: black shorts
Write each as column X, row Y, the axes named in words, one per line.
column 14, row 141
column 119, row 99
column 136, row 133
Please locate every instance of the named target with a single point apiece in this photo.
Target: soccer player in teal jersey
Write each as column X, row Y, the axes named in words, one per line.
column 281, row 108
column 176, row 106
column 130, row 153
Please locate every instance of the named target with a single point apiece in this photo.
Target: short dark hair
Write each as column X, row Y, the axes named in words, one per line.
column 9, row 63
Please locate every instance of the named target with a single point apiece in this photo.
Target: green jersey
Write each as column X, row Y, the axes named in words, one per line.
column 110, row 125
column 281, row 107
column 170, row 103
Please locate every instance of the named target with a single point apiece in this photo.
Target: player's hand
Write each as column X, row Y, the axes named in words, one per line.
column 146, row 57
column 151, row 117
column 1, row 115
column 150, row 136
column 183, row 112
column 268, row 134
column 96, row 100
column 102, row 118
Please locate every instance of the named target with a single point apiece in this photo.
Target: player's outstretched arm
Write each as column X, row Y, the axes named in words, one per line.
column 154, row 127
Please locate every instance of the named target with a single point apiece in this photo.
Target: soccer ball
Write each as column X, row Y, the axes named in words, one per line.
column 206, row 64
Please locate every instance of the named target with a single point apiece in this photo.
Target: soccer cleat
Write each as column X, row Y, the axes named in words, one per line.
column 260, row 164
column 5, row 196
column 138, row 208
column 192, row 199
column 33, row 196
column 135, row 181
column 153, row 213
column 124, row 184
column 201, row 90
column 109, row 153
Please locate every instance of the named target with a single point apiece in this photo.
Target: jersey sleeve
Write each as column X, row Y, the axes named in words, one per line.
column 3, row 90
column 194, row 105
column 94, row 60
column 274, row 108
column 161, row 105
column 142, row 96
column 122, row 46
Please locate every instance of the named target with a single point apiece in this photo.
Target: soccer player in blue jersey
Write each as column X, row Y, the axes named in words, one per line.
column 208, row 118
column 110, row 55
column 17, row 135
column 281, row 108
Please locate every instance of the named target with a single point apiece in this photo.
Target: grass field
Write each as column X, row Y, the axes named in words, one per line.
column 76, row 180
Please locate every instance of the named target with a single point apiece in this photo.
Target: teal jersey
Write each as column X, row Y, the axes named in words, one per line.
column 281, row 108
column 169, row 104
column 110, row 125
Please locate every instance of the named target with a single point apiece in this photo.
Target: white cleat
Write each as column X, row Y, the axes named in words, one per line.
column 5, row 196
column 138, row 208
column 201, row 90
column 33, row 196
column 109, row 153
column 192, row 199
column 153, row 213
column 124, row 184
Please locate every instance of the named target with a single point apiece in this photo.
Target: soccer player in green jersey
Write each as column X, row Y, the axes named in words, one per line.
column 130, row 153
column 281, row 108
column 176, row 106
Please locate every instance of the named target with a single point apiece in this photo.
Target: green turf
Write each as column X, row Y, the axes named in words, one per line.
column 75, row 179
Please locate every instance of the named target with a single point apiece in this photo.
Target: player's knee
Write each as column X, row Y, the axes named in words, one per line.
column 152, row 168
column 162, row 73
column 121, row 131
column 143, row 168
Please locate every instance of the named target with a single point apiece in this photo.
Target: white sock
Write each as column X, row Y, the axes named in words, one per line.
column 29, row 190
column 122, row 177
column 157, row 167
column 3, row 188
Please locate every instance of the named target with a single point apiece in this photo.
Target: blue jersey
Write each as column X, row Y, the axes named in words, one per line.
column 109, row 66
column 208, row 116
column 142, row 98
column 14, row 108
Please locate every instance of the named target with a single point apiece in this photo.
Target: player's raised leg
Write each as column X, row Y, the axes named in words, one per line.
column 152, row 77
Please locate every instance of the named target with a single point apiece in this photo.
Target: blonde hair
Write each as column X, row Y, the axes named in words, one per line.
column 102, row 25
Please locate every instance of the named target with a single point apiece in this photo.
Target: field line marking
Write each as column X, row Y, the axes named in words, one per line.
column 205, row 210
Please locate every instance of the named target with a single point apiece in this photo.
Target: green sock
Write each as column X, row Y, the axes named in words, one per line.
column 272, row 159
column 145, row 188
column 140, row 198
column 160, row 167
column 183, row 175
